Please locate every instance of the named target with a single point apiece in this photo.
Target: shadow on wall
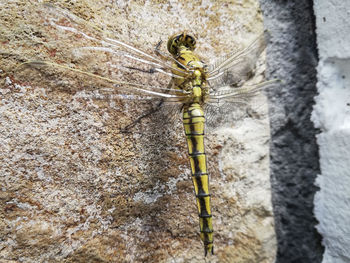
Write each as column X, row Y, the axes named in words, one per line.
column 292, row 57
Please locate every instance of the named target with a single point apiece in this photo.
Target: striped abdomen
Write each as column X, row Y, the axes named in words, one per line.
column 193, row 119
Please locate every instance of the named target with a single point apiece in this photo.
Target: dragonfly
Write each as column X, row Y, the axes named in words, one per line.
column 198, row 89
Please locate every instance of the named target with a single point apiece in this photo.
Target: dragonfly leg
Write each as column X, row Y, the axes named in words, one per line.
column 160, row 53
column 149, row 71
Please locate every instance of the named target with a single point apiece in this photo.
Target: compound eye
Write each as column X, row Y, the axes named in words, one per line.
column 191, row 42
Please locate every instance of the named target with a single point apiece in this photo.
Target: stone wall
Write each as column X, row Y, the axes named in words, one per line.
column 76, row 186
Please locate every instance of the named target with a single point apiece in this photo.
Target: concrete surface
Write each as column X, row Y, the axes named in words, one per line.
column 292, row 57
column 332, row 116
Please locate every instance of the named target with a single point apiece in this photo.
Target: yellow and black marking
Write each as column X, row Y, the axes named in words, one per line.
column 177, row 42
column 193, row 119
column 195, row 72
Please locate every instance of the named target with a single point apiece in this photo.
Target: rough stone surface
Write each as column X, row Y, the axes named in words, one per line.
column 74, row 188
column 292, row 57
column 332, row 116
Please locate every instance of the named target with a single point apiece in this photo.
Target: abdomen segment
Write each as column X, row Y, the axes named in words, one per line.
column 193, row 119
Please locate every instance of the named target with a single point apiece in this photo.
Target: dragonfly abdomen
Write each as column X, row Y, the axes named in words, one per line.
column 194, row 121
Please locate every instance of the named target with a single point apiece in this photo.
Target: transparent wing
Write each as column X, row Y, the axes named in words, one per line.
column 232, row 104
column 236, row 67
column 77, row 57
column 241, row 93
column 127, row 68
column 234, row 93
column 120, row 89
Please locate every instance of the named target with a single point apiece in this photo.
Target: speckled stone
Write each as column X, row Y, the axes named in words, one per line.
column 75, row 188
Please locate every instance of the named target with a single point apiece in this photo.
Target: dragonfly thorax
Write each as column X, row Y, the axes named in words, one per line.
column 181, row 47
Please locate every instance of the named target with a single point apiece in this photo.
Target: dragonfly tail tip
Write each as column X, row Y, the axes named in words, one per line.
column 208, row 248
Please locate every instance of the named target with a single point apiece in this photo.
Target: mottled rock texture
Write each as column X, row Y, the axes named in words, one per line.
column 292, row 57
column 76, row 188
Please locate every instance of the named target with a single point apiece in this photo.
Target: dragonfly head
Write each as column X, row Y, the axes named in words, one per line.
column 180, row 40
